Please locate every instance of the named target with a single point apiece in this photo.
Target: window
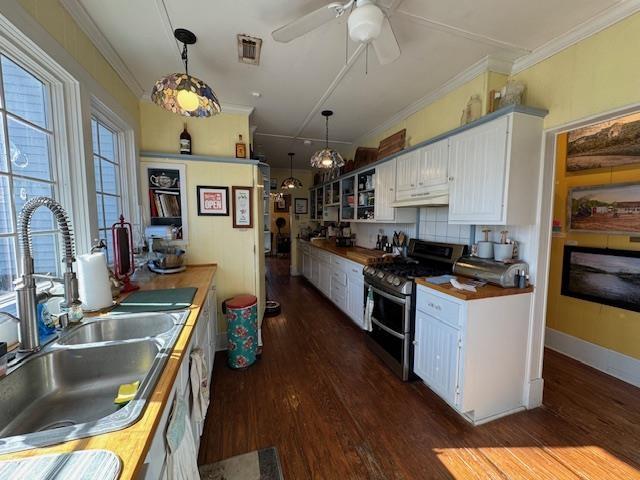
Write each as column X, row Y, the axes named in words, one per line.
column 106, row 164
column 26, row 170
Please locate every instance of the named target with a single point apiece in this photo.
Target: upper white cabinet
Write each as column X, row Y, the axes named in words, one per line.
column 385, row 191
column 423, row 173
column 493, row 172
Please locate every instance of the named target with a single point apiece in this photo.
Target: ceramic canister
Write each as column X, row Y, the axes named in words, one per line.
column 485, row 249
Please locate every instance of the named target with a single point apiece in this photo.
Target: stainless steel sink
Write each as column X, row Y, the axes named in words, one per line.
column 67, row 390
column 120, row 328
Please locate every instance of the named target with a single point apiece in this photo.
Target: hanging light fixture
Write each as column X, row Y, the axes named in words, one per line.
column 291, row 182
column 327, row 157
column 182, row 93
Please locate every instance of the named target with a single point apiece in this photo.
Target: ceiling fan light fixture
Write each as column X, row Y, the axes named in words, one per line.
column 365, row 22
column 182, row 93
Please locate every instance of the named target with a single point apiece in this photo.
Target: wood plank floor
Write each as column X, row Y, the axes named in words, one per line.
column 334, row 411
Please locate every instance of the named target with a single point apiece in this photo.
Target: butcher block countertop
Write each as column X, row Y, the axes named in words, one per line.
column 363, row 256
column 487, row 291
column 132, row 444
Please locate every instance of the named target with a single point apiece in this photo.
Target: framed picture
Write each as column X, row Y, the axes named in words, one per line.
column 301, row 206
column 611, row 209
column 282, row 203
column 273, row 184
column 607, row 144
column 601, row 275
column 213, row 201
column 242, row 207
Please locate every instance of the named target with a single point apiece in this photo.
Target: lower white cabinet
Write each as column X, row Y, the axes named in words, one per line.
column 204, row 337
column 355, row 297
column 325, row 277
column 473, row 353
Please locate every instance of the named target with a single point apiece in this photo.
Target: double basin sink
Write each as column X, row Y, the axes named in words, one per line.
column 67, row 390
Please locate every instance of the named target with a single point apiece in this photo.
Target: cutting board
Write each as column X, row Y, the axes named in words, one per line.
column 157, row 300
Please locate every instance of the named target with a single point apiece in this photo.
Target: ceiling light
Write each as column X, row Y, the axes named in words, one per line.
column 180, row 92
column 291, row 182
column 365, row 22
column 256, row 94
column 327, row 157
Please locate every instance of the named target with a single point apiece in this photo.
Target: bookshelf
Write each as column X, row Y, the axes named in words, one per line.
column 166, row 196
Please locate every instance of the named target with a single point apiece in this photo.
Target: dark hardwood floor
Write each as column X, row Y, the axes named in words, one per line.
column 334, row 411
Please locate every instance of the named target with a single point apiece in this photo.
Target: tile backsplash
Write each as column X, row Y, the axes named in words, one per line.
column 367, row 233
column 434, row 227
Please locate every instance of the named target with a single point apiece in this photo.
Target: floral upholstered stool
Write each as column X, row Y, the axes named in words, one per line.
column 242, row 330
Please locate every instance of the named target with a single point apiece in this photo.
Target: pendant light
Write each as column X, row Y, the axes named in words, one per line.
column 327, row 157
column 182, row 93
column 291, row 182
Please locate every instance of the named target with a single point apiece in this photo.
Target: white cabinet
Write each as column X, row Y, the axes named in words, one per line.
column 493, row 172
column 315, row 271
column 406, row 174
column 355, row 296
column 324, row 277
column 306, row 264
column 422, row 173
column 436, row 354
column 385, row 191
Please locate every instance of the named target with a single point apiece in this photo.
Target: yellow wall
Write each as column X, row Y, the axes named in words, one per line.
column 211, row 239
column 61, row 26
column 603, row 325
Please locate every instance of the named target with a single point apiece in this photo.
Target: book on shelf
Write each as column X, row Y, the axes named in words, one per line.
column 164, row 204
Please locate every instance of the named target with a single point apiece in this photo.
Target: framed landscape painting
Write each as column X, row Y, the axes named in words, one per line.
column 610, row 277
column 611, row 209
column 603, row 145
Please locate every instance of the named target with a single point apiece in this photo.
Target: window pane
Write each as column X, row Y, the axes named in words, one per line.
column 8, row 270
column 3, row 153
column 94, row 135
column 45, row 253
column 109, row 177
column 107, row 143
column 96, row 171
column 111, row 210
column 107, row 236
column 6, row 226
column 29, row 151
column 24, row 190
column 24, row 94
column 100, row 212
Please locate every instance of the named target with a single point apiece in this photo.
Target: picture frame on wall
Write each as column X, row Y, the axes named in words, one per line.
column 213, row 201
column 301, row 206
column 282, row 204
column 242, row 207
column 608, row 144
column 608, row 209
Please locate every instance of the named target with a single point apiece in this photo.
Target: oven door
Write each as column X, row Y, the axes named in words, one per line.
column 390, row 311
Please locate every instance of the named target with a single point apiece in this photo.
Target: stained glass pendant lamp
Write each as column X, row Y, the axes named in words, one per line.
column 182, row 93
column 327, row 157
column 291, row 182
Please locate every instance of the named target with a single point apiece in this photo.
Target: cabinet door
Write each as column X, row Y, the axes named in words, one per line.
column 315, row 271
column 355, row 298
column 477, row 164
column 406, row 174
column 325, row 278
column 385, row 191
column 434, row 165
column 436, row 355
column 306, row 265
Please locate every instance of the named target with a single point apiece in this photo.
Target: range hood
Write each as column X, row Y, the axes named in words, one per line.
column 440, row 198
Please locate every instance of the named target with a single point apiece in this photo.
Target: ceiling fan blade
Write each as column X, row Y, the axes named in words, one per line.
column 305, row 24
column 386, row 45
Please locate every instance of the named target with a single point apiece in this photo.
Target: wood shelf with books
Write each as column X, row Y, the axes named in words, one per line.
column 166, row 196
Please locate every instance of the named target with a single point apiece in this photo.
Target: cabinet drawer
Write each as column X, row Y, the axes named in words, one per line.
column 339, row 295
column 438, row 307
column 339, row 278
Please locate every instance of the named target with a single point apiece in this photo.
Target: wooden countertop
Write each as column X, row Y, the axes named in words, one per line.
column 132, row 444
column 487, row 291
column 363, row 256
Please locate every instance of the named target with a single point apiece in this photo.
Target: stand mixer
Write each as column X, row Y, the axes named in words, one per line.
column 164, row 257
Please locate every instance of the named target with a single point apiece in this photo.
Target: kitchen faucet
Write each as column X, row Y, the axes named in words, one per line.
column 27, row 297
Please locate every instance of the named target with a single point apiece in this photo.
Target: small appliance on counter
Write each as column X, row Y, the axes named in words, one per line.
column 506, row 275
column 164, row 256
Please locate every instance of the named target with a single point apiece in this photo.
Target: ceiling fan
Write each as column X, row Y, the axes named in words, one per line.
column 367, row 23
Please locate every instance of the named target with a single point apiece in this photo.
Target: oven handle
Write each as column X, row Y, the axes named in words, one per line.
column 387, row 329
column 393, row 298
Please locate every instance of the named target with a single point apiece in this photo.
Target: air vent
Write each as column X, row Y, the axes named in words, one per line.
column 249, row 49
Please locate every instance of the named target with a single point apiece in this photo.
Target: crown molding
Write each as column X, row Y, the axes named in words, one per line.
column 88, row 26
column 487, row 64
column 597, row 23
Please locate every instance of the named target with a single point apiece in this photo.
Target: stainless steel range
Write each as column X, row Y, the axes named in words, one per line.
column 392, row 286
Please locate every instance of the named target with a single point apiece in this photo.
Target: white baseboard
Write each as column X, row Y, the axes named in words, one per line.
column 616, row 364
column 533, row 393
column 221, row 342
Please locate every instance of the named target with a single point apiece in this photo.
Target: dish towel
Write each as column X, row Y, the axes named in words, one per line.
column 368, row 311
column 182, row 463
column 199, row 379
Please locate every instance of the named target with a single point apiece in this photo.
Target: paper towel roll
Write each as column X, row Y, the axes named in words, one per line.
column 93, row 281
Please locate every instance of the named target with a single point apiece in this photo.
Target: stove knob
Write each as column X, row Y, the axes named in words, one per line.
column 397, row 282
column 391, row 278
column 380, row 274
